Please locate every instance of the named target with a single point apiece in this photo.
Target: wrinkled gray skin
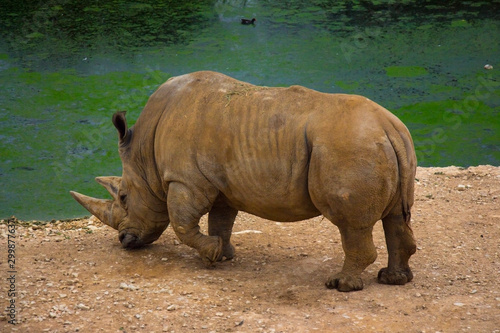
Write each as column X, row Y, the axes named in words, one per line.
column 206, row 143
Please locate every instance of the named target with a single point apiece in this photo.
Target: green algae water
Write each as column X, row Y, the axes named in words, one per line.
column 67, row 66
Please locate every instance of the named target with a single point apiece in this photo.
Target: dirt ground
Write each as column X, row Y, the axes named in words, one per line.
column 75, row 277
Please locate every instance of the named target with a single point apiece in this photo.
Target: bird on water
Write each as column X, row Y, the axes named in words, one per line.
column 247, row 21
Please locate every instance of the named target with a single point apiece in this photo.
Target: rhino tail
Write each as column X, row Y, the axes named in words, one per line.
column 402, row 144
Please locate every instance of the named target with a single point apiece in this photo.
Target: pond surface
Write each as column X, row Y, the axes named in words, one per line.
column 66, row 67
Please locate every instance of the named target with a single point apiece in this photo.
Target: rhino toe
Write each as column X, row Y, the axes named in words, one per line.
column 344, row 282
column 212, row 251
column 398, row 277
column 227, row 252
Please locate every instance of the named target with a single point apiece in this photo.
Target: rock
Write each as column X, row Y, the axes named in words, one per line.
column 247, row 232
column 125, row 286
column 82, row 306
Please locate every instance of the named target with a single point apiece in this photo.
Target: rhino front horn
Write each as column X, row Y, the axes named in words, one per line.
column 100, row 208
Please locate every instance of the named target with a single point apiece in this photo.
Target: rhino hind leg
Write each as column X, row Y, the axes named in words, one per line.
column 220, row 223
column 185, row 210
column 360, row 252
column 400, row 246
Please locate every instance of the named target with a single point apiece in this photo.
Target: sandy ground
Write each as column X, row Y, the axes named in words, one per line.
column 75, row 277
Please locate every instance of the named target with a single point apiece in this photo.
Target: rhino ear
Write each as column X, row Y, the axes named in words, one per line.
column 120, row 123
column 112, row 184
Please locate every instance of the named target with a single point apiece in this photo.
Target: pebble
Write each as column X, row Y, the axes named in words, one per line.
column 82, row 306
column 171, row 307
column 125, row 286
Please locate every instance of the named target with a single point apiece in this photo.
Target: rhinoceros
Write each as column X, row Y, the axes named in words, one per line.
column 208, row 143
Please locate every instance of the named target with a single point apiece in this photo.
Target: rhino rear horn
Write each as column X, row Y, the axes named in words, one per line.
column 100, row 208
column 112, row 184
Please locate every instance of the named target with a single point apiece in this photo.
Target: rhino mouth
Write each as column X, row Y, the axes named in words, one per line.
column 130, row 240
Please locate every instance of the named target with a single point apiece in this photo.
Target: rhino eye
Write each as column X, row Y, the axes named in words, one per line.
column 123, row 199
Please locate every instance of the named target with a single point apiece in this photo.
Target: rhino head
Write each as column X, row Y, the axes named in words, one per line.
column 137, row 210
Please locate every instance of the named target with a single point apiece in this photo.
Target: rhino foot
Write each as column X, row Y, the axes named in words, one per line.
column 344, row 282
column 227, row 252
column 400, row 276
column 211, row 252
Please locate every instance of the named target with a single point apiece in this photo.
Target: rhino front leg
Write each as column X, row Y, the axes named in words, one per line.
column 359, row 252
column 220, row 223
column 185, row 210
